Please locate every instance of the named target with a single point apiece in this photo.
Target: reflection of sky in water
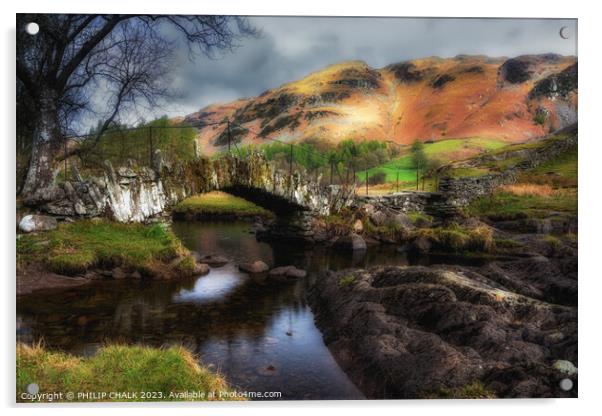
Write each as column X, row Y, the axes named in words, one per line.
column 212, row 287
column 290, row 357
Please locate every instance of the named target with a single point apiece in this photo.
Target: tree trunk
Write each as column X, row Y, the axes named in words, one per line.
column 46, row 147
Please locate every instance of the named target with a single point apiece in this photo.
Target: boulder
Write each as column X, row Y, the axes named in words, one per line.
column 201, row 269
column 358, row 226
column 254, row 267
column 352, row 242
column 295, row 273
column 118, row 273
column 369, row 209
column 421, row 244
column 287, row 271
column 403, row 220
column 31, row 223
column 213, row 260
column 379, row 218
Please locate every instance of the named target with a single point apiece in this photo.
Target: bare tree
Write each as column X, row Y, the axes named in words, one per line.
column 124, row 60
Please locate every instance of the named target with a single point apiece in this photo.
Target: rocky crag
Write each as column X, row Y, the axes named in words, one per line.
column 506, row 330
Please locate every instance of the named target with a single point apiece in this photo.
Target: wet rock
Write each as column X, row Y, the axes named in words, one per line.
column 296, row 273
column 213, row 260
column 410, row 332
column 352, row 242
column 254, row 267
column 421, row 244
column 287, row 272
column 358, row 226
column 201, row 269
column 32, row 223
column 118, row 273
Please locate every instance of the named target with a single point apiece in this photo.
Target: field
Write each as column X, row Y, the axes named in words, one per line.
column 219, row 203
column 444, row 151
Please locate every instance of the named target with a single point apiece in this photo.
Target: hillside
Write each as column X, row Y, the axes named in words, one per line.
column 427, row 99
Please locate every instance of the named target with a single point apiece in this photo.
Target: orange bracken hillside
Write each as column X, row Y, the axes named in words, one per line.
column 427, row 99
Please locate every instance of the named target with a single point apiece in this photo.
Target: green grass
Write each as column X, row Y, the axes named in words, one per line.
column 565, row 166
column 75, row 247
column 115, row 368
column 467, row 172
column 457, row 239
column 219, row 203
column 507, row 206
column 440, row 150
column 346, row 281
column 419, row 219
column 475, row 390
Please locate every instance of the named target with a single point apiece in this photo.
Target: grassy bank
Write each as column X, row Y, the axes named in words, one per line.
column 76, row 247
column 116, row 368
column 214, row 204
column 549, row 188
column 509, row 205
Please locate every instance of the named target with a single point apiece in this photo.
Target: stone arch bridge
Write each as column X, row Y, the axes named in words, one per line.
column 133, row 194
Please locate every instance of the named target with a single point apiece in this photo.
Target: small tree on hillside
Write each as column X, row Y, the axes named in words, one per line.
column 419, row 158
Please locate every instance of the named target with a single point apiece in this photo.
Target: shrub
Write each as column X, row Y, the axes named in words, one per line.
column 377, row 178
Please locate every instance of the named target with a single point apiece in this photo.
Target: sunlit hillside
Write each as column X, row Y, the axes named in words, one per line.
column 428, row 99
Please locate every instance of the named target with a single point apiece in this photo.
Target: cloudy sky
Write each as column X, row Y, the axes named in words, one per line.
column 291, row 47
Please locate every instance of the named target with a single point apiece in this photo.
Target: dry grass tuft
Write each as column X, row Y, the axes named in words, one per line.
column 528, row 189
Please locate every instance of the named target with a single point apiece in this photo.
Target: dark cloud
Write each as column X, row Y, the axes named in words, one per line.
column 292, row 47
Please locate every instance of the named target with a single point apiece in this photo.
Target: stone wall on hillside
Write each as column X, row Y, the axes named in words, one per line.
column 409, row 201
column 460, row 191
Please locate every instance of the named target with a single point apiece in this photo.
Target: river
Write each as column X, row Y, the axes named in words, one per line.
column 260, row 335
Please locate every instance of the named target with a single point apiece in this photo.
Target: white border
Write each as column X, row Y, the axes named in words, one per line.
column 590, row 115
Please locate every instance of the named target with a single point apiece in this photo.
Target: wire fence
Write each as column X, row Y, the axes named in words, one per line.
column 137, row 145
